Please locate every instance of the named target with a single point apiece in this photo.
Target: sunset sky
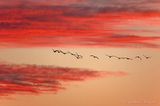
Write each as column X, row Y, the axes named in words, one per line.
column 32, row 74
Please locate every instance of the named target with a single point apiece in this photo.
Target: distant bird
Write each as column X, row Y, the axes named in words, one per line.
column 56, row 51
column 127, row 58
column 109, row 56
column 96, row 57
column 78, row 56
column 147, row 57
column 73, row 54
column 117, row 57
column 63, row 52
column 138, row 57
column 59, row 51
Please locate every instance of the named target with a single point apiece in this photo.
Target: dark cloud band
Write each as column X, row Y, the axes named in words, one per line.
column 35, row 79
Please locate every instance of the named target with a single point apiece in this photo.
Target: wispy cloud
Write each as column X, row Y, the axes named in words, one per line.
column 35, row 79
column 132, row 5
column 86, row 41
column 79, row 23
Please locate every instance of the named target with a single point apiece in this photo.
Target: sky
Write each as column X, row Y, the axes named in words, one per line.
column 32, row 74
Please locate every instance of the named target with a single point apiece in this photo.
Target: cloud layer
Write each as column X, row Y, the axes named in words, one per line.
column 35, row 79
column 119, row 23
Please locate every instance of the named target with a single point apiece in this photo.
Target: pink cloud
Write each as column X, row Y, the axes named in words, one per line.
column 35, row 79
column 53, row 26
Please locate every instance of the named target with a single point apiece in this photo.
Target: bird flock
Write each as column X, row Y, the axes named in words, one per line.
column 79, row 56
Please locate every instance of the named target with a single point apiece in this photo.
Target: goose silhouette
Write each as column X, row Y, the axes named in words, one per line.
column 96, row 57
column 147, row 57
column 138, row 57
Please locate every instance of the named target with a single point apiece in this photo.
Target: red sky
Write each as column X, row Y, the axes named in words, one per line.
column 34, row 25
column 28, row 24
